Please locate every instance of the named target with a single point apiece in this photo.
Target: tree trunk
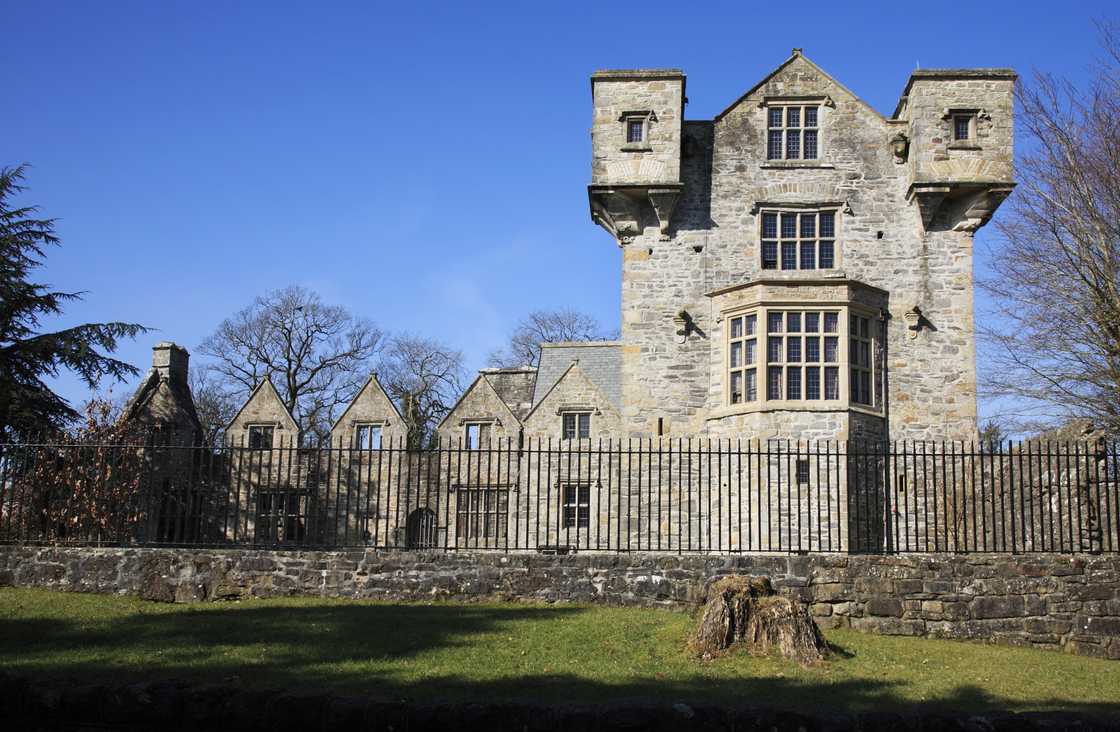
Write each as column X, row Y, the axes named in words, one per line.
column 747, row 610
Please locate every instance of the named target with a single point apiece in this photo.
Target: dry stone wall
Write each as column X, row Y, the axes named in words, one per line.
column 1047, row 601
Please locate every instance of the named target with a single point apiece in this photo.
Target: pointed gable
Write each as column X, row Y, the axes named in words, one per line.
column 263, row 407
column 371, row 405
column 574, row 391
column 795, row 77
column 480, row 403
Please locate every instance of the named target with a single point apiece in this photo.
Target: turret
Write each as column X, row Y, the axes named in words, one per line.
column 636, row 144
column 958, row 144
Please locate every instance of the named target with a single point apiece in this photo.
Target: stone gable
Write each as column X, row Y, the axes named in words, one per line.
column 370, row 406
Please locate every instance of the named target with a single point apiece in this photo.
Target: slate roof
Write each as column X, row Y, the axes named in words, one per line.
column 601, row 361
column 514, row 386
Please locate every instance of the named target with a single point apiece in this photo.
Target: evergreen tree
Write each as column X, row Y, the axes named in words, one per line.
column 28, row 356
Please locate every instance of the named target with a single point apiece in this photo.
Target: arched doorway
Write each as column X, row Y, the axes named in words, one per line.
column 421, row 529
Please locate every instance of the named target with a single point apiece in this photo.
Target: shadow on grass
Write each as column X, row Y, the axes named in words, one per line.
column 382, row 651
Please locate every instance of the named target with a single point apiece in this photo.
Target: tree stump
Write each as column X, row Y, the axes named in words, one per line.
column 747, row 610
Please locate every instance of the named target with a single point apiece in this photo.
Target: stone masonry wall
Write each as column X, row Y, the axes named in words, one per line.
column 714, row 243
column 1071, row 602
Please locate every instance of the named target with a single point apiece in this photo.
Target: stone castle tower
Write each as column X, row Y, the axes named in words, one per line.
column 801, row 265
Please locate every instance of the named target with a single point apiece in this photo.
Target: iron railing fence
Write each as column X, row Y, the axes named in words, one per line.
column 631, row 495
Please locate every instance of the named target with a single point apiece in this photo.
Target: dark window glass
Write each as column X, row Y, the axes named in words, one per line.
column 808, row 226
column 775, row 116
column 828, row 255
column 828, row 225
column 769, row 226
column 808, row 255
column 793, row 383
column 260, row 437
column 810, row 145
column 803, row 472
column 789, row 226
column 793, row 116
column 961, row 127
column 770, row 255
column 774, row 145
column 812, row 383
column 810, row 116
column 789, row 255
column 634, row 129
column 793, row 144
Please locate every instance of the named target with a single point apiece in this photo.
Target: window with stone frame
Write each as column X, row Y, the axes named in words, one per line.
column 260, row 436
column 577, row 506
column 860, row 350
column 367, row 436
column 477, row 434
column 576, row 425
column 742, row 352
column 802, row 355
column 635, row 129
column 798, row 239
column 792, row 131
column 964, row 127
column 481, row 514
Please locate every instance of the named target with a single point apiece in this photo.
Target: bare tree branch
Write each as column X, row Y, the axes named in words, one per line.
column 547, row 326
column 1055, row 338
column 318, row 355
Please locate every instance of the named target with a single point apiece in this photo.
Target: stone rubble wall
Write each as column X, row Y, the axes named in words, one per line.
column 1067, row 602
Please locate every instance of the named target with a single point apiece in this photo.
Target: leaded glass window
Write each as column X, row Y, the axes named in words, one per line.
column 793, row 240
column 792, row 132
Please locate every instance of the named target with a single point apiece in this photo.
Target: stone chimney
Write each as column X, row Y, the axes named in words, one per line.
column 170, row 361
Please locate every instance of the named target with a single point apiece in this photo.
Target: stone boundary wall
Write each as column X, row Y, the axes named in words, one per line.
column 1070, row 602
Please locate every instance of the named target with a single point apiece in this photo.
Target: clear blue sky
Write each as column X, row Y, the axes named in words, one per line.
column 424, row 165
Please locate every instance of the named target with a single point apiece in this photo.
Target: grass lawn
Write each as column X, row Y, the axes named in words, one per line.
column 514, row 652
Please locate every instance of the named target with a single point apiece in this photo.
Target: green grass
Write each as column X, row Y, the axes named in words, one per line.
column 514, row 652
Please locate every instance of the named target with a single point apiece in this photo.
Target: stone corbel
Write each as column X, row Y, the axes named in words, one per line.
column 929, row 199
column 618, row 213
column 664, row 201
column 980, row 207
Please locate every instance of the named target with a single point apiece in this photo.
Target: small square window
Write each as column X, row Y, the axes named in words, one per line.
column 802, row 472
column 260, row 437
column 962, row 127
column 478, row 435
column 635, row 130
column 367, row 437
column 576, row 425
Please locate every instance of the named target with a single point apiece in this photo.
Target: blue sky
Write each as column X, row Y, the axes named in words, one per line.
column 423, row 164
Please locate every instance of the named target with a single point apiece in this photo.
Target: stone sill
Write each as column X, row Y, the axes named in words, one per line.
column 963, row 146
column 637, row 148
column 792, row 165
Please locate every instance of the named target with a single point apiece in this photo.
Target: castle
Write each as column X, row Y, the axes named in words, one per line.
column 799, row 267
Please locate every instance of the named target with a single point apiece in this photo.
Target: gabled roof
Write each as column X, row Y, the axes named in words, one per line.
column 600, row 361
column 514, row 387
column 797, row 56
column 480, row 382
column 572, row 368
column 268, row 390
column 177, row 405
column 373, row 382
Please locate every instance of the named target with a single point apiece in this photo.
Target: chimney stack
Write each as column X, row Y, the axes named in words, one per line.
column 170, row 361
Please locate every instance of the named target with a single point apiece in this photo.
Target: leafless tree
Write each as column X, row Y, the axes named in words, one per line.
column 425, row 378
column 1054, row 342
column 547, row 326
column 214, row 403
column 317, row 355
